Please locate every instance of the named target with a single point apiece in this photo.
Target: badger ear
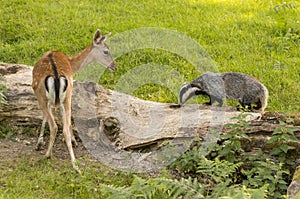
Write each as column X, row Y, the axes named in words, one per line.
column 197, row 84
column 97, row 37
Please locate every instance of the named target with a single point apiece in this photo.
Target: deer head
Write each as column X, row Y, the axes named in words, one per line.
column 101, row 53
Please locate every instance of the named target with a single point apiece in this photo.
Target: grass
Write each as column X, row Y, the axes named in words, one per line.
column 31, row 177
column 249, row 37
column 245, row 36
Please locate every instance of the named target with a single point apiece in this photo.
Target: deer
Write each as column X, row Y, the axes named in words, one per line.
column 52, row 83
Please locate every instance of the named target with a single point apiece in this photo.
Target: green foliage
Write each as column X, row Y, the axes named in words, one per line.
column 3, row 90
column 6, row 131
column 38, row 177
column 246, row 193
column 227, row 165
column 155, row 188
column 260, row 173
column 282, row 139
column 220, row 171
column 163, row 188
column 231, row 146
column 188, row 162
column 183, row 188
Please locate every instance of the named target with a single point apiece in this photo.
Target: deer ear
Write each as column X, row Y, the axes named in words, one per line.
column 103, row 38
column 97, row 37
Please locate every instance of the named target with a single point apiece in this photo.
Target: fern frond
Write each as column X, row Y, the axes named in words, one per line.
column 112, row 192
column 218, row 170
column 246, row 193
column 139, row 188
column 143, row 188
column 185, row 188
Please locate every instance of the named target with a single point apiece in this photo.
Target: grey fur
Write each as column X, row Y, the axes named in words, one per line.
column 231, row 85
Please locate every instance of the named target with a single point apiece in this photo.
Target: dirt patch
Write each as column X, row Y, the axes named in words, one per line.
column 20, row 145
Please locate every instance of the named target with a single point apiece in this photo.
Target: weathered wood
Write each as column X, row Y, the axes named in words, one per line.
column 22, row 107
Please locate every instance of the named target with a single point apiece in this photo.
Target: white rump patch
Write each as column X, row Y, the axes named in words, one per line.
column 63, row 83
column 50, row 94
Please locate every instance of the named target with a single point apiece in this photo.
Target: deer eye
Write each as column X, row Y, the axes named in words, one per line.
column 105, row 52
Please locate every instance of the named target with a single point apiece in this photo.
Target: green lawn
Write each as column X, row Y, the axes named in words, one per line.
column 258, row 38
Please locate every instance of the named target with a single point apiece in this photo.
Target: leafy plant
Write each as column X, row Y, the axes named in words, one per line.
column 191, row 188
column 218, row 170
column 188, row 162
column 3, row 90
column 136, row 189
column 282, row 139
column 227, row 164
column 155, row 188
column 267, row 172
column 6, row 130
column 246, row 193
column 218, row 174
column 230, row 144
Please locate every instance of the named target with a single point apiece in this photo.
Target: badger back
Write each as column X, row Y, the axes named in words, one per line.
column 243, row 87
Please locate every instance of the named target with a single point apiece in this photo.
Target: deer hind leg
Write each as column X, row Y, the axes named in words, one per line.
column 66, row 115
column 74, row 142
column 53, row 131
column 40, row 141
column 73, row 139
column 47, row 117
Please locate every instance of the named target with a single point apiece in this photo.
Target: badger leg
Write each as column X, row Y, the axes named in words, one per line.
column 245, row 106
column 175, row 106
column 208, row 103
column 220, row 102
column 258, row 105
column 213, row 99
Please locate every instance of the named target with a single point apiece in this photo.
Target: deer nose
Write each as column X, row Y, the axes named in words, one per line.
column 112, row 66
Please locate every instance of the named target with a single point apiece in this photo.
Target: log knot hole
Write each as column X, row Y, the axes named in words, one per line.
column 9, row 69
column 111, row 127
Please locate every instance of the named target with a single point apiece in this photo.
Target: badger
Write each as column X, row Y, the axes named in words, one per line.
column 229, row 85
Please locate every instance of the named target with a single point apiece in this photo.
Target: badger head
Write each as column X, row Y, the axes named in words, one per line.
column 186, row 92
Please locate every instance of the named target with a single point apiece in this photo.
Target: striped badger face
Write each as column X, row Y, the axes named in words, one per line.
column 186, row 92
